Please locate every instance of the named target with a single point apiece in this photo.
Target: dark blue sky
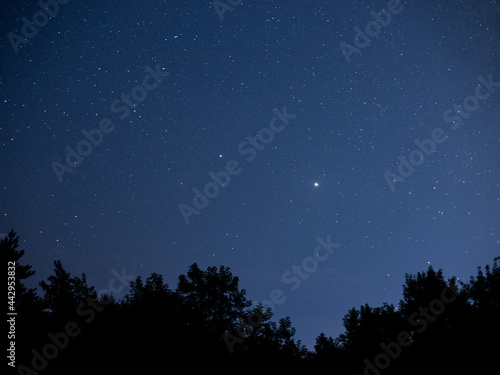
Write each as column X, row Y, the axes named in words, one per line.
column 178, row 92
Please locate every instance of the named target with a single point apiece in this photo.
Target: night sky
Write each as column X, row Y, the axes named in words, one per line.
column 296, row 123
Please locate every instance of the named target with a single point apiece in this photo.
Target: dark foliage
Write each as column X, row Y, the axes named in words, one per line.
column 440, row 326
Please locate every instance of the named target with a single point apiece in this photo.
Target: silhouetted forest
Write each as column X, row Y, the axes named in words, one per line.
column 206, row 323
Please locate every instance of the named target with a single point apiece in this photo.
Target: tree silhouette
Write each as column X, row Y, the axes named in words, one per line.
column 441, row 320
column 25, row 298
column 484, row 290
column 446, row 329
column 477, row 327
column 212, row 298
column 27, row 304
column 153, row 296
column 64, row 293
column 325, row 346
column 419, row 290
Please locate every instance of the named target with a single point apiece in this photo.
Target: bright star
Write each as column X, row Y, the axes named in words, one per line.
column 316, row 184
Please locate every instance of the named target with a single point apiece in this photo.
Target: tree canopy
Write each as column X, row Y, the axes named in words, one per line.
column 440, row 325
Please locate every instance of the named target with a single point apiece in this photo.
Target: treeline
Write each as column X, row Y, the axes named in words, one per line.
column 207, row 323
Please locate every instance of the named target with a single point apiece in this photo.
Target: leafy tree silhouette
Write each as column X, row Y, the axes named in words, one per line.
column 212, row 299
column 64, row 293
column 419, row 290
column 27, row 304
column 153, row 296
column 212, row 305
column 155, row 328
column 325, row 346
column 476, row 328
column 457, row 337
column 275, row 341
column 483, row 290
column 26, row 299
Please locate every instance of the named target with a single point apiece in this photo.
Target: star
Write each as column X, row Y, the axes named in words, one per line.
column 316, row 184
